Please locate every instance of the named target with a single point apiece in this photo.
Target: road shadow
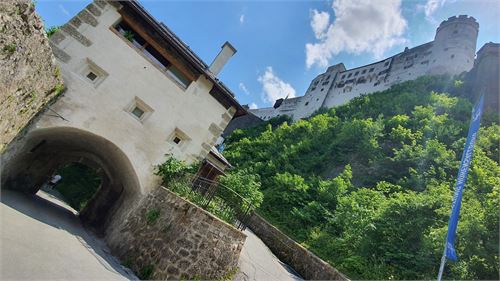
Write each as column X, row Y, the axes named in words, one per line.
column 50, row 210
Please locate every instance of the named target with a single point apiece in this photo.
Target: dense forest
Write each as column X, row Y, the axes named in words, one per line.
column 368, row 186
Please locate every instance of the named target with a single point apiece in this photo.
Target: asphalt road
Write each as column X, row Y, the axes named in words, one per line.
column 257, row 262
column 41, row 238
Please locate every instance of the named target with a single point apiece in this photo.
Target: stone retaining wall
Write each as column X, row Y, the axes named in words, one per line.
column 29, row 76
column 307, row 264
column 168, row 237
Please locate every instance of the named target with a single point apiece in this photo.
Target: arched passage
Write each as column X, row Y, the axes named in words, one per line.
column 30, row 163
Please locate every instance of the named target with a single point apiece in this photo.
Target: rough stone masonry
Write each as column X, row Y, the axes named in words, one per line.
column 169, row 238
column 29, row 77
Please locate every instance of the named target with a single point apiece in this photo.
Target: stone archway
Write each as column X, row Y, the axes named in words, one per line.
column 29, row 163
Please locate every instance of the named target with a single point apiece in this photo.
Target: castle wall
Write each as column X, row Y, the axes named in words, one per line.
column 452, row 52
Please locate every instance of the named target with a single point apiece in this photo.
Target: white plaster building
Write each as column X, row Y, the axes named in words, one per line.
column 452, row 52
column 135, row 92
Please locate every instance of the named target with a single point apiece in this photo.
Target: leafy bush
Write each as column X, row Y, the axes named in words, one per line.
column 174, row 169
column 78, row 184
column 51, row 30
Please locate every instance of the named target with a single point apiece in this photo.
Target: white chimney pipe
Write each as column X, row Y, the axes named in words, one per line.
column 222, row 58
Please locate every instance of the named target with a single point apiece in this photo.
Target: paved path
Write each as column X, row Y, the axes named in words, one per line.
column 257, row 262
column 41, row 238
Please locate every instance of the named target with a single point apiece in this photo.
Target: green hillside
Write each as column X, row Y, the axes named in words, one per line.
column 368, row 186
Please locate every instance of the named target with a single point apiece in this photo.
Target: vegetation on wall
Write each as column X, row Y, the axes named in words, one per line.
column 368, row 186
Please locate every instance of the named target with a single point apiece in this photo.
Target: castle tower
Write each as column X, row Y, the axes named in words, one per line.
column 454, row 45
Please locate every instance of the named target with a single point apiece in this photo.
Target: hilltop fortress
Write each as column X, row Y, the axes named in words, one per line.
column 452, row 52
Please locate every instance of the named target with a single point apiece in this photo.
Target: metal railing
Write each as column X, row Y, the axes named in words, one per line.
column 218, row 199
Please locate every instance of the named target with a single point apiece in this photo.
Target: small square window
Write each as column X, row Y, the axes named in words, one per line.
column 364, row 71
column 92, row 76
column 371, row 69
column 452, row 56
column 139, row 109
column 138, row 112
column 181, row 139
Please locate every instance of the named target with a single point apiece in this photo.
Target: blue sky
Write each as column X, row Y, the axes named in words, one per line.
column 283, row 45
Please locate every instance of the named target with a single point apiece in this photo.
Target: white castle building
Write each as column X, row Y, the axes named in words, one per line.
column 452, row 52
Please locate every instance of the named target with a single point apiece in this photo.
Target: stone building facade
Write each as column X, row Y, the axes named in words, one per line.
column 452, row 52
column 134, row 93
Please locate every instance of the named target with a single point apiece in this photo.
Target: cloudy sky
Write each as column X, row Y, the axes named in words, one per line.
column 283, row 45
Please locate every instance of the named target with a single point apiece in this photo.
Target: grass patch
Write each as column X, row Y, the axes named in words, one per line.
column 152, row 216
column 9, row 49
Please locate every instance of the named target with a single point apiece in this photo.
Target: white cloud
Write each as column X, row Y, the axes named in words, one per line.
column 242, row 18
column 430, row 7
column 243, row 88
column 319, row 22
column 273, row 87
column 253, row 105
column 63, row 10
column 359, row 26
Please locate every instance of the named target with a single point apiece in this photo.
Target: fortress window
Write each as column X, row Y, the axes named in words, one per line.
column 343, row 76
column 313, row 88
column 386, row 63
column 324, row 83
column 356, row 74
column 350, row 74
column 371, row 69
column 92, row 76
column 307, row 103
column 327, row 77
column 138, row 112
column 177, row 140
column 322, row 89
column 139, row 109
column 364, row 71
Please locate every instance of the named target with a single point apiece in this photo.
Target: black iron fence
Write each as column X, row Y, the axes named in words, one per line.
column 216, row 198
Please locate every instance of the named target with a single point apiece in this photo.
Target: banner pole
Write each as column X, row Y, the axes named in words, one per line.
column 441, row 267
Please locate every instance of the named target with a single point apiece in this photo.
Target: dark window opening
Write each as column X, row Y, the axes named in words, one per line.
column 371, row 69
column 138, row 112
column 92, row 76
column 350, row 74
column 452, row 56
column 356, row 74
column 343, row 76
column 177, row 140
column 307, row 103
column 364, row 71
column 386, row 63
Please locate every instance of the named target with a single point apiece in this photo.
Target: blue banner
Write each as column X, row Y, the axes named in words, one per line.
column 462, row 179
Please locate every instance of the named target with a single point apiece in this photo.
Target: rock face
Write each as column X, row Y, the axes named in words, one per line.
column 307, row 264
column 167, row 237
column 29, row 76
